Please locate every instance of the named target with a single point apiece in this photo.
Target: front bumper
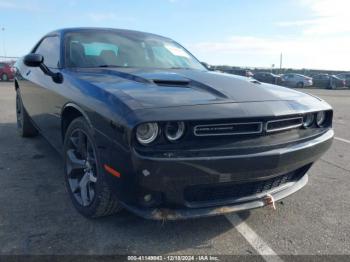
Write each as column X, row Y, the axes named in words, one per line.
column 255, row 201
column 170, row 178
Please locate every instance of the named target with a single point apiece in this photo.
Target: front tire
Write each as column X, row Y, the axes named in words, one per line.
column 332, row 85
column 89, row 193
column 25, row 127
column 4, row 77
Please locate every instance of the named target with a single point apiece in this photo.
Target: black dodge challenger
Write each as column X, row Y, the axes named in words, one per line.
column 141, row 124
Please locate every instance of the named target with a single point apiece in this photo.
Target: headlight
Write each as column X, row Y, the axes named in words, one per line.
column 147, row 133
column 308, row 120
column 174, row 130
column 320, row 118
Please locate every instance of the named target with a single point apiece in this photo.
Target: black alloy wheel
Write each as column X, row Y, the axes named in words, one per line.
column 90, row 194
column 19, row 114
column 25, row 126
column 81, row 167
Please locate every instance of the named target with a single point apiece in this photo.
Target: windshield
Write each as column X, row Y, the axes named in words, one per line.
column 115, row 49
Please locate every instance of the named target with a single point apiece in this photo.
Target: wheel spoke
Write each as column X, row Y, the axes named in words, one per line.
column 83, row 184
column 73, row 163
column 91, row 191
column 92, row 178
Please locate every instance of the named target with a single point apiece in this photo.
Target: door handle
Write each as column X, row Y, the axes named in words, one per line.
column 28, row 73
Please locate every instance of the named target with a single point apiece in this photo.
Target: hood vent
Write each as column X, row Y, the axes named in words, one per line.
column 160, row 82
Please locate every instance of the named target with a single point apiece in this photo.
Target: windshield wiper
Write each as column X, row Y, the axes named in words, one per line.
column 178, row 67
column 113, row 66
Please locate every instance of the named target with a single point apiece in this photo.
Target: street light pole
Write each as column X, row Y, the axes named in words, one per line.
column 281, row 63
column 3, row 40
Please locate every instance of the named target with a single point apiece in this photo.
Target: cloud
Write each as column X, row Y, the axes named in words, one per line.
column 304, row 52
column 327, row 17
column 322, row 41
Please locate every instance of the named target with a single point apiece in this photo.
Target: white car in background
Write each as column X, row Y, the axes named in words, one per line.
column 296, row 80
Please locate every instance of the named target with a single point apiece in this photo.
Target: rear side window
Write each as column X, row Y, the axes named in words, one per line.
column 49, row 48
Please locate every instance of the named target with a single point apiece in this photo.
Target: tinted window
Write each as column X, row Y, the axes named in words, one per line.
column 96, row 48
column 2, row 65
column 124, row 49
column 49, row 48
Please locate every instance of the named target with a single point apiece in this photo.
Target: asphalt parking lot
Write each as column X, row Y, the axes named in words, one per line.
column 37, row 217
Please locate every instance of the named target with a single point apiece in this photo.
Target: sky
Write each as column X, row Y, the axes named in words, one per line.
column 309, row 33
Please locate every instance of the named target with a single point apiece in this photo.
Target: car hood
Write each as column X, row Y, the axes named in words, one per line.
column 171, row 88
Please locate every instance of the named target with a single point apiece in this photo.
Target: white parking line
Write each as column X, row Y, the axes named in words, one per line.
column 342, row 139
column 253, row 239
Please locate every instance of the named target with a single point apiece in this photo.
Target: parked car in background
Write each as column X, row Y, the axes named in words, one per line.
column 267, row 77
column 328, row 81
column 346, row 77
column 6, row 73
column 240, row 72
column 296, row 80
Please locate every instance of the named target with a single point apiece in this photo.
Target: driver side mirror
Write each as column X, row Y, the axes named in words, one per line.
column 37, row 60
column 33, row 60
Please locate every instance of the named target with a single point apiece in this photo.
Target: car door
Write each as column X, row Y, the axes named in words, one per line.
column 41, row 94
column 288, row 80
column 271, row 79
column 320, row 81
column 264, row 78
column 326, row 81
column 347, row 80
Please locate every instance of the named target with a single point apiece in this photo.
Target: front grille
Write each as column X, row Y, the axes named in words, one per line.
column 228, row 129
column 235, row 191
column 257, row 127
column 283, row 124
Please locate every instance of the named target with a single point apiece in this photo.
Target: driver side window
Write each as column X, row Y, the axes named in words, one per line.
column 49, row 48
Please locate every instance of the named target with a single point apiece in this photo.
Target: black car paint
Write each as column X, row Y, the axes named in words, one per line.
column 114, row 101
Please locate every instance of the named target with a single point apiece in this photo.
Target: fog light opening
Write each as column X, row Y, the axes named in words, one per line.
column 151, row 199
column 147, row 198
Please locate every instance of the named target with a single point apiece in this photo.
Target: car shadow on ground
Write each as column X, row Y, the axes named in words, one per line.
column 37, row 216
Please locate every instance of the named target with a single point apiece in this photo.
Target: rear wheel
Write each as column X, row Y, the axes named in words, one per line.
column 300, row 85
column 332, row 85
column 25, row 127
column 4, row 77
column 83, row 174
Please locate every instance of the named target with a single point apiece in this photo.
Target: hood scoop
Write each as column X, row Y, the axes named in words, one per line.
column 164, row 82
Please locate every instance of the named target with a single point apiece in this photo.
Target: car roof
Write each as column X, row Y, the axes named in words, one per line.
column 296, row 74
column 102, row 29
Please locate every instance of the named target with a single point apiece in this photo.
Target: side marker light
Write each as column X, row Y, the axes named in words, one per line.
column 111, row 171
